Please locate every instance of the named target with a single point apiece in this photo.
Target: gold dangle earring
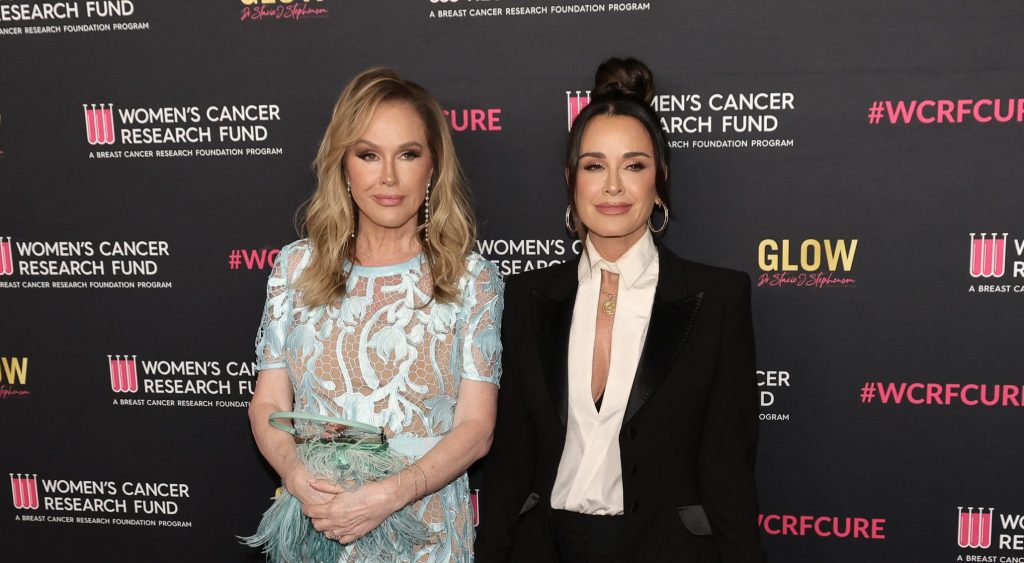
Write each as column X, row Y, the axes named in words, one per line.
column 426, row 215
column 348, row 186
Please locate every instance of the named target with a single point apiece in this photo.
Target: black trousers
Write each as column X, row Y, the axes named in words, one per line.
column 585, row 538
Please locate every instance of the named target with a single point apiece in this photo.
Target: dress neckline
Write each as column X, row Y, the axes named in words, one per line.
column 387, row 269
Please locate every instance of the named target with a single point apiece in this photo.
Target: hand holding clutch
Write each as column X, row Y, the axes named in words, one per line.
column 348, row 455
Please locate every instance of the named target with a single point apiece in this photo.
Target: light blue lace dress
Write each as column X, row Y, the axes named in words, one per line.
column 382, row 358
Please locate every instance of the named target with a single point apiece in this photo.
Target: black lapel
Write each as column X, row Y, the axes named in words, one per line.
column 552, row 316
column 672, row 318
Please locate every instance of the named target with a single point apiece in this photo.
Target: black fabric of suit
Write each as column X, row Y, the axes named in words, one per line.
column 689, row 433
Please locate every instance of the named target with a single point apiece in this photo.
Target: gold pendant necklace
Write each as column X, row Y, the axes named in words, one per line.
column 609, row 306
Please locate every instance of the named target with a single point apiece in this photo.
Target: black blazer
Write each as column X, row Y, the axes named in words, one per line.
column 689, row 433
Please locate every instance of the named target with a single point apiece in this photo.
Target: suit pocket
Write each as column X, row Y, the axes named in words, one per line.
column 531, row 501
column 695, row 520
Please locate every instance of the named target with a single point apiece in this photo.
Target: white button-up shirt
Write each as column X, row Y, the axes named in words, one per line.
column 589, row 478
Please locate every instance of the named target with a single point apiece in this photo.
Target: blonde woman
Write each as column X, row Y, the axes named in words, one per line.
column 383, row 315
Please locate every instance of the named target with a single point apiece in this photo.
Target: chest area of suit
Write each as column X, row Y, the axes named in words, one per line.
column 677, row 351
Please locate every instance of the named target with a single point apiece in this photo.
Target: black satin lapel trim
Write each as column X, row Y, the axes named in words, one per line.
column 553, row 319
column 670, row 327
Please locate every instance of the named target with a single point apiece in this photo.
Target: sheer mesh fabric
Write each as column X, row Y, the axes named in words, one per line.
column 387, row 355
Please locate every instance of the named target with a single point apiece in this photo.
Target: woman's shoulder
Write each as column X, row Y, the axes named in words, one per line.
column 711, row 279
column 712, row 273
column 297, row 247
column 477, row 266
column 294, row 256
column 541, row 276
column 481, row 278
column 554, row 281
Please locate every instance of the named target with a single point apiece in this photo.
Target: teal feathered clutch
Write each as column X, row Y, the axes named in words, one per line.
column 348, row 453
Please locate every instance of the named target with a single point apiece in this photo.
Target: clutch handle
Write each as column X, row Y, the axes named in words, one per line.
column 275, row 419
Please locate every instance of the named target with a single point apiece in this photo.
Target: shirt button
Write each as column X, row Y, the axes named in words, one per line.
column 635, row 507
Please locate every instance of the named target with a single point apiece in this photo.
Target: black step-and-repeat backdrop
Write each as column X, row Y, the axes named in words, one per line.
column 861, row 161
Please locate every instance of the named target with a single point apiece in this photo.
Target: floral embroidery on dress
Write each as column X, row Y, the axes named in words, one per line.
column 388, row 355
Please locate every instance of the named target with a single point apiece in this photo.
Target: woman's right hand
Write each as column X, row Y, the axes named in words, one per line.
column 297, row 483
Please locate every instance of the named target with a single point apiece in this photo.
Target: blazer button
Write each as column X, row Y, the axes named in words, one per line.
column 632, row 471
column 631, row 432
column 635, row 507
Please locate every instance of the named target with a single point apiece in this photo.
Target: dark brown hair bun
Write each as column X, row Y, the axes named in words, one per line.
column 624, row 78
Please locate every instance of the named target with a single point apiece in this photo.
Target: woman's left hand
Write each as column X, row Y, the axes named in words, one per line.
column 352, row 514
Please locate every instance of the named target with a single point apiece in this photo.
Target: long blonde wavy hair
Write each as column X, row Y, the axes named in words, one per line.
column 331, row 215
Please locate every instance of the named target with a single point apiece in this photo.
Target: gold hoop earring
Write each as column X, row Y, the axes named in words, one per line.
column 664, row 223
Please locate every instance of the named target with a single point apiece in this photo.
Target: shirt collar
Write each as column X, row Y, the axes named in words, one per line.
column 630, row 265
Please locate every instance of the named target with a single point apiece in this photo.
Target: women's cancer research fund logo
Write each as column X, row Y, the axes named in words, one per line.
column 99, row 123
column 24, row 492
column 92, row 501
column 976, row 529
column 988, row 255
column 116, row 131
column 180, row 383
column 124, row 378
column 989, row 261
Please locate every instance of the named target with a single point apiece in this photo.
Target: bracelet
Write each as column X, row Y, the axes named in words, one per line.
column 423, row 476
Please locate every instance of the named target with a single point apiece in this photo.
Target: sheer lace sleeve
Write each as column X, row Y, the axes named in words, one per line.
column 270, row 352
column 480, row 332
